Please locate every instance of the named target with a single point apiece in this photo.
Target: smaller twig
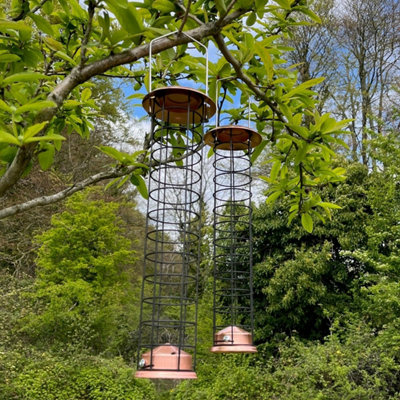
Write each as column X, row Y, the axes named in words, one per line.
column 301, row 186
column 91, row 8
column 229, row 8
column 191, row 16
column 185, row 17
column 24, row 12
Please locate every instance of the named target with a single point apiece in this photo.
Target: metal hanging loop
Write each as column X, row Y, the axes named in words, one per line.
column 216, row 102
column 170, row 34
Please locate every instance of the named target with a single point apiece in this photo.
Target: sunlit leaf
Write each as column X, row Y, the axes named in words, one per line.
column 140, row 183
column 6, row 137
column 307, row 222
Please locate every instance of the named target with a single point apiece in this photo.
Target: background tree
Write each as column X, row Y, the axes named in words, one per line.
column 356, row 47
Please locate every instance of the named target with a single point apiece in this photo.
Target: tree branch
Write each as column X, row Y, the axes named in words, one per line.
column 240, row 74
column 45, row 200
column 112, row 173
column 80, row 75
column 256, row 90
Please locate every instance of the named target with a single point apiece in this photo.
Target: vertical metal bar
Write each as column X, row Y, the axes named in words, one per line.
column 251, row 245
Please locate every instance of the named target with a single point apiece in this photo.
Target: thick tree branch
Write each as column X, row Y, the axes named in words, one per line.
column 80, row 75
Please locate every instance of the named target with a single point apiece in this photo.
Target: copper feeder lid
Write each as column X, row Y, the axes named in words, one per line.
column 171, row 104
column 168, row 363
column 233, row 339
column 232, row 137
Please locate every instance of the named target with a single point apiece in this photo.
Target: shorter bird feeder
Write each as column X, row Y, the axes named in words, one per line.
column 233, row 273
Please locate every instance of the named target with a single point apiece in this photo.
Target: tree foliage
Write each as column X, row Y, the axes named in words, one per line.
column 52, row 50
column 86, row 288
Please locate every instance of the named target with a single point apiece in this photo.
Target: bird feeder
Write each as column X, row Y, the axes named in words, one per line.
column 168, row 317
column 233, row 274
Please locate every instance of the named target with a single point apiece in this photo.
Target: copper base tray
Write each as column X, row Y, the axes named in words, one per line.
column 156, row 374
column 239, row 348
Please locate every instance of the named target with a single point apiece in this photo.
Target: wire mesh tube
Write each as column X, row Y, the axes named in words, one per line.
column 168, row 321
column 233, row 275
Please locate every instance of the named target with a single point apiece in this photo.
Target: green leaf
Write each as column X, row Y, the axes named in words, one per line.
column 42, row 23
column 8, row 57
column 273, row 197
column 260, row 7
column 86, row 94
column 221, row 7
column 164, row 6
column 34, row 130
column 302, row 87
column 266, row 59
column 113, row 153
column 301, row 153
column 338, row 126
column 53, row 44
column 291, row 216
column 258, row 150
column 140, row 183
column 245, row 4
column 325, row 204
column 64, row 5
column 309, row 13
column 339, row 171
column 71, row 104
column 24, row 77
column 46, row 138
column 48, row 7
column 251, row 20
column 46, row 156
column 128, row 17
column 113, row 182
column 6, row 137
column 275, row 170
column 136, row 96
column 122, row 181
column 37, row 106
column 307, row 222
column 301, row 130
column 5, row 107
column 8, row 153
column 65, row 57
column 77, row 10
column 19, row 26
column 284, row 4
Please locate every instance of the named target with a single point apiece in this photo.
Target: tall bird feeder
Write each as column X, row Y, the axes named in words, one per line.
column 233, row 274
column 168, row 317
